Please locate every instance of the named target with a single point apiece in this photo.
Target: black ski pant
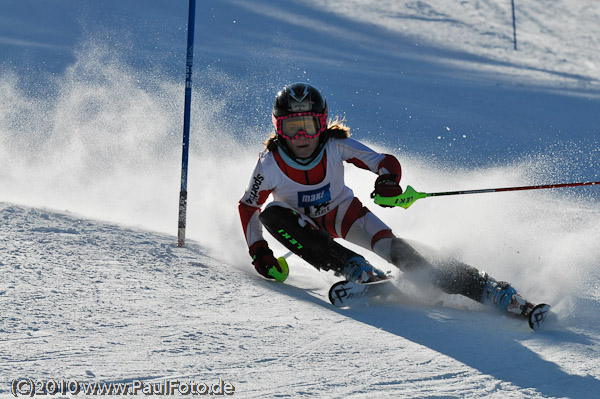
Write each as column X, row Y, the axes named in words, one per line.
column 312, row 244
column 318, row 248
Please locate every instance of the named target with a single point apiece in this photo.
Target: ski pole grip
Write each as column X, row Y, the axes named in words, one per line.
column 404, row 200
column 285, row 270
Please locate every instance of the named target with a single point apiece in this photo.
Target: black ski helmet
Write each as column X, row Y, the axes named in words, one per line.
column 299, row 98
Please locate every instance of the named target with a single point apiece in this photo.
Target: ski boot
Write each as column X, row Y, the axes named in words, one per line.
column 501, row 295
column 358, row 270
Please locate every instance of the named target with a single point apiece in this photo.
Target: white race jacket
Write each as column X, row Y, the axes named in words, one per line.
column 312, row 200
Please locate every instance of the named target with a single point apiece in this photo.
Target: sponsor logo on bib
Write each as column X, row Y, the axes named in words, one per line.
column 314, row 197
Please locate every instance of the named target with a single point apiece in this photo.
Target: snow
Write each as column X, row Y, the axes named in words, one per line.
column 94, row 289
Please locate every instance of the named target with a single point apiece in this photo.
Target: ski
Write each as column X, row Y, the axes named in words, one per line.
column 535, row 315
column 538, row 316
column 346, row 293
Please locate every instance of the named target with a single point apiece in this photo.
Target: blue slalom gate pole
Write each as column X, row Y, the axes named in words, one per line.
column 186, row 125
column 514, row 24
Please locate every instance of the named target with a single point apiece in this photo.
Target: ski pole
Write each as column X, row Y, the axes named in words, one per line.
column 410, row 195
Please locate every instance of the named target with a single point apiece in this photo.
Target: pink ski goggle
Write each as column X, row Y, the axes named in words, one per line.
column 309, row 124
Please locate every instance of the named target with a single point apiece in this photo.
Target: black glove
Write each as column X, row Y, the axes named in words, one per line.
column 387, row 186
column 263, row 259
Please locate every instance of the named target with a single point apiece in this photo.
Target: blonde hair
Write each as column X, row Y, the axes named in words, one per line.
column 336, row 129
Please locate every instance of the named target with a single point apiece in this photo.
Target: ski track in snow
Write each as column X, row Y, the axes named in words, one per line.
column 94, row 301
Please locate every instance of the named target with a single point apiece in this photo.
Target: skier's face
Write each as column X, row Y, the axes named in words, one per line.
column 302, row 147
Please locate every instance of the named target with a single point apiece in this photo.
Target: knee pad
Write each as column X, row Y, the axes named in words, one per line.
column 300, row 236
column 296, row 234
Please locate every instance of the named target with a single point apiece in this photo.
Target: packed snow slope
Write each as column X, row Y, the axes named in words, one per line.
column 91, row 104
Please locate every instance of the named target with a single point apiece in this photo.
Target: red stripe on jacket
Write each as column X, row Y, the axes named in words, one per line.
column 307, row 177
column 247, row 211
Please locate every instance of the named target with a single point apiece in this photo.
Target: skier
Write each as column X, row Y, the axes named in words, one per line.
column 302, row 167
